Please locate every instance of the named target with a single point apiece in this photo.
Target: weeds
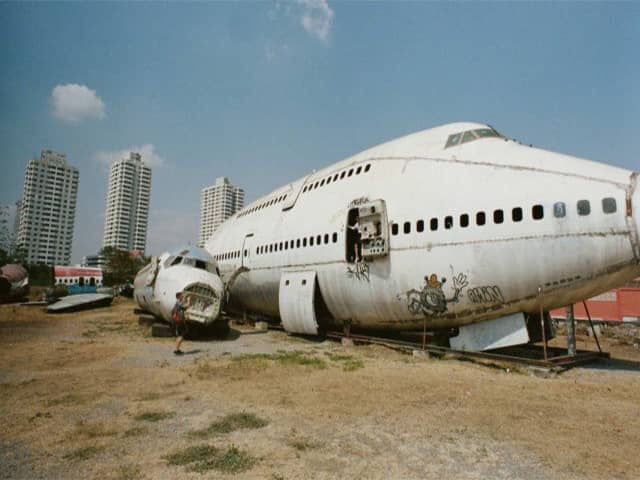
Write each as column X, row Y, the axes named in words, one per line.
column 336, row 357
column 350, row 363
column 230, row 423
column 192, row 454
column 129, row 472
column 135, row 432
column 83, row 453
column 153, row 416
column 94, row 430
column 69, row 399
column 304, row 444
column 201, row 458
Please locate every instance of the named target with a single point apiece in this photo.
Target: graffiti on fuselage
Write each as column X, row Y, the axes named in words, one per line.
column 359, row 271
column 358, row 201
column 486, row 294
column 431, row 299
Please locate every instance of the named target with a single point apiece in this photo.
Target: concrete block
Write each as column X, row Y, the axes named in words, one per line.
column 261, row 326
column 346, row 342
column 421, row 354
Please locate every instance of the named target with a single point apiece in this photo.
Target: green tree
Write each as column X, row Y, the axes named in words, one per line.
column 120, row 266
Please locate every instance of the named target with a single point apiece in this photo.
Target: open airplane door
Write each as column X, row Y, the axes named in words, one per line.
column 296, row 300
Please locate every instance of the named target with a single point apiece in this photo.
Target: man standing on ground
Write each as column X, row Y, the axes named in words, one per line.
column 178, row 317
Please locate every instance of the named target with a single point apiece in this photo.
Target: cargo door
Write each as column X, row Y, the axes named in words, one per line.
column 296, row 300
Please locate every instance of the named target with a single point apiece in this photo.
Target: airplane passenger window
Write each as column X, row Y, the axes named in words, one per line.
column 584, row 207
column 516, row 214
column 350, row 172
column 280, row 246
column 271, row 248
column 335, row 237
column 328, row 180
column 464, row 220
column 537, row 212
column 342, row 175
column 335, row 177
column 407, row 227
column 315, row 185
column 609, row 205
column 304, row 189
column 359, row 169
column 257, row 250
column 246, row 253
column 420, row 226
column 311, row 241
column 498, row 216
column 318, row 239
column 367, row 167
column 433, row 224
column 448, row 222
column 286, row 245
column 394, row 229
column 559, row 209
column 298, row 243
column 304, row 242
column 322, row 182
column 326, row 238
column 481, row 218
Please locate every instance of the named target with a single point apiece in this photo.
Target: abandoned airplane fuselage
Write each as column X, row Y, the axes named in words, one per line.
column 191, row 271
column 458, row 225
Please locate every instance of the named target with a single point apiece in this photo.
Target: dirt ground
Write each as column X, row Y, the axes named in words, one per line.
column 93, row 395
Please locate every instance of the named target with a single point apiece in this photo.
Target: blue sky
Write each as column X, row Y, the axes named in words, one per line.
column 265, row 92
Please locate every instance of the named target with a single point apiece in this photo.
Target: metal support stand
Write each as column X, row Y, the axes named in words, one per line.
column 544, row 330
column 424, row 334
column 591, row 323
column 571, row 330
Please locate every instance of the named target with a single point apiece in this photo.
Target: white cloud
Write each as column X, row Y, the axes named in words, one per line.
column 149, row 155
column 317, row 18
column 73, row 103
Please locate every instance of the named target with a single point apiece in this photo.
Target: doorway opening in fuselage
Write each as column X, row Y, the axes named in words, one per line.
column 353, row 237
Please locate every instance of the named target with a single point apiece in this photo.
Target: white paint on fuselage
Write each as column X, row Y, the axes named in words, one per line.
column 500, row 265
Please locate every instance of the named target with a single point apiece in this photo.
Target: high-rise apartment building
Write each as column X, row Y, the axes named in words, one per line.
column 217, row 203
column 47, row 213
column 127, row 215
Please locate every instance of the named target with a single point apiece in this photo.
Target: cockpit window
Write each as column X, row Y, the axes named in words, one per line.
column 453, row 140
column 470, row 135
column 486, row 132
column 176, row 261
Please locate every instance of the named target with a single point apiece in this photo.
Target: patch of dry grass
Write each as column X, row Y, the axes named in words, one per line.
column 230, row 423
column 153, row 416
column 82, row 453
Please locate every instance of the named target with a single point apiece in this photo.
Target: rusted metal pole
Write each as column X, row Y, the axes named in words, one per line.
column 544, row 330
column 571, row 330
column 424, row 334
column 586, row 309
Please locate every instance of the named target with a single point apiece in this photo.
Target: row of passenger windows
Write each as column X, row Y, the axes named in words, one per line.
column 583, row 207
column 338, row 176
column 265, row 204
column 314, row 240
column 311, row 241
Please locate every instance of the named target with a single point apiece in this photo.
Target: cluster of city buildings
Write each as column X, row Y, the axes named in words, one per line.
column 41, row 224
